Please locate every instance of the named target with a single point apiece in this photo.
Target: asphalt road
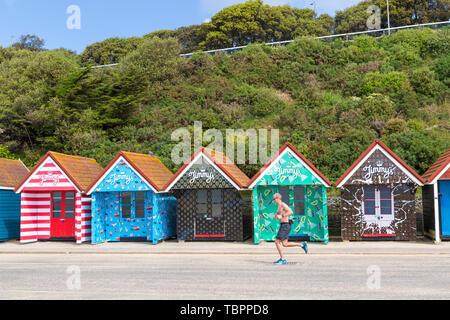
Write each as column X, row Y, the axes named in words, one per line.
column 140, row 276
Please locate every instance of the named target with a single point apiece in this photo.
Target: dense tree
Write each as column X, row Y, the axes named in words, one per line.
column 25, row 81
column 29, row 42
column 401, row 12
column 109, row 51
column 253, row 21
column 189, row 38
column 155, row 61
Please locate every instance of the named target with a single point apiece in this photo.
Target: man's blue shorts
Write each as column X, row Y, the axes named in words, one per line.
column 283, row 233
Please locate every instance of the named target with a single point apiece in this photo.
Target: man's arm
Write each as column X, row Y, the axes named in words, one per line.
column 278, row 215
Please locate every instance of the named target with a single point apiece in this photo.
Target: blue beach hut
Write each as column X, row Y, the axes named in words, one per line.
column 436, row 199
column 129, row 203
column 11, row 173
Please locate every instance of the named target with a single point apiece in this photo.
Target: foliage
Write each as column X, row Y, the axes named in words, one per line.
column 29, row 42
column 331, row 99
column 260, row 101
column 25, row 81
column 395, row 85
column 401, row 12
column 442, row 69
column 5, row 154
column 377, row 106
column 155, row 60
column 419, row 148
column 252, row 22
column 395, row 126
column 190, row 38
column 108, row 51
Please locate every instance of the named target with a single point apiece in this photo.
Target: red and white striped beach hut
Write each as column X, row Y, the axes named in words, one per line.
column 53, row 200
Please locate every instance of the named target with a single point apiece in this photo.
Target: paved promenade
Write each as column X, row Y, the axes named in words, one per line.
column 216, row 270
column 423, row 247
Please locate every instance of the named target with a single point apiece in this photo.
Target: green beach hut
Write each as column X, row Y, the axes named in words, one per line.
column 303, row 188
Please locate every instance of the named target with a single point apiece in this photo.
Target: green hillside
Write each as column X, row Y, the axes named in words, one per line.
column 329, row 99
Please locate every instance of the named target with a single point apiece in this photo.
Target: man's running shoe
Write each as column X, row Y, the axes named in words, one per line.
column 281, row 261
column 305, row 247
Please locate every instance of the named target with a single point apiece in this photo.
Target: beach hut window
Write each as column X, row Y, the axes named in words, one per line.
column 216, row 203
column 284, row 191
column 202, row 202
column 140, row 204
column 69, row 205
column 126, row 204
column 385, row 200
column 57, row 203
column 369, row 200
column 299, row 200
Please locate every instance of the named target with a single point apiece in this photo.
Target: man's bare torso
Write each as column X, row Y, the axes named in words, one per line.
column 285, row 211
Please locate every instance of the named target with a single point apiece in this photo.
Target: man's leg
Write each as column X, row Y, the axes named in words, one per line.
column 303, row 245
column 288, row 244
column 279, row 248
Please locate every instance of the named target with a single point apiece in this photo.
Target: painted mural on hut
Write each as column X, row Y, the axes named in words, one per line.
column 110, row 226
column 288, row 171
column 309, row 219
column 108, row 221
column 379, row 178
column 164, row 224
column 122, row 178
column 231, row 223
column 203, row 180
column 202, row 175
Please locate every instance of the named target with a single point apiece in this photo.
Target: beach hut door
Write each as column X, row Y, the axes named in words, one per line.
column 63, row 215
column 378, row 211
column 133, row 215
column 209, row 221
column 444, row 198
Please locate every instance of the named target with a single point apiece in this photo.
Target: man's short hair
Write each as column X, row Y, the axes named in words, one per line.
column 277, row 196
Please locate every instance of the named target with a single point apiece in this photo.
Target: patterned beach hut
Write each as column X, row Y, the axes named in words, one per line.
column 378, row 197
column 436, row 199
column 303, row 188
column 11, row 173
column 129, row 202
column 212, row 202
column 54, row 204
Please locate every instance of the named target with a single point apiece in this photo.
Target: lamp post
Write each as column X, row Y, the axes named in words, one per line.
column 388, row 18
column 314, row 4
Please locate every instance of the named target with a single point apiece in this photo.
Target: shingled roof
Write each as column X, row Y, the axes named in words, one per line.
column 437, row 169
column 80, row 170
column 224, row 164
column 11, row 173
column 148, row 166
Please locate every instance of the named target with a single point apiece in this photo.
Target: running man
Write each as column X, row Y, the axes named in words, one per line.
column 281, row 240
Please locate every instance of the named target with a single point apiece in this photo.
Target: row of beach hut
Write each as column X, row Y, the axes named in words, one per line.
column 136, row 198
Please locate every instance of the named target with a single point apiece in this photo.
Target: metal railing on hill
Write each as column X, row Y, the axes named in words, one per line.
column 344, row 36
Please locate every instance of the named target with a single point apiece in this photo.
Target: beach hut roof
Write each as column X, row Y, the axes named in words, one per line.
column 80, row 170
column 11, row 173
column 439, row 170
column 220, row 161
column 150, row 168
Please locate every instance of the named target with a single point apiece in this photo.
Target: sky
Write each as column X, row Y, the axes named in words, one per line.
column 102, row 19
